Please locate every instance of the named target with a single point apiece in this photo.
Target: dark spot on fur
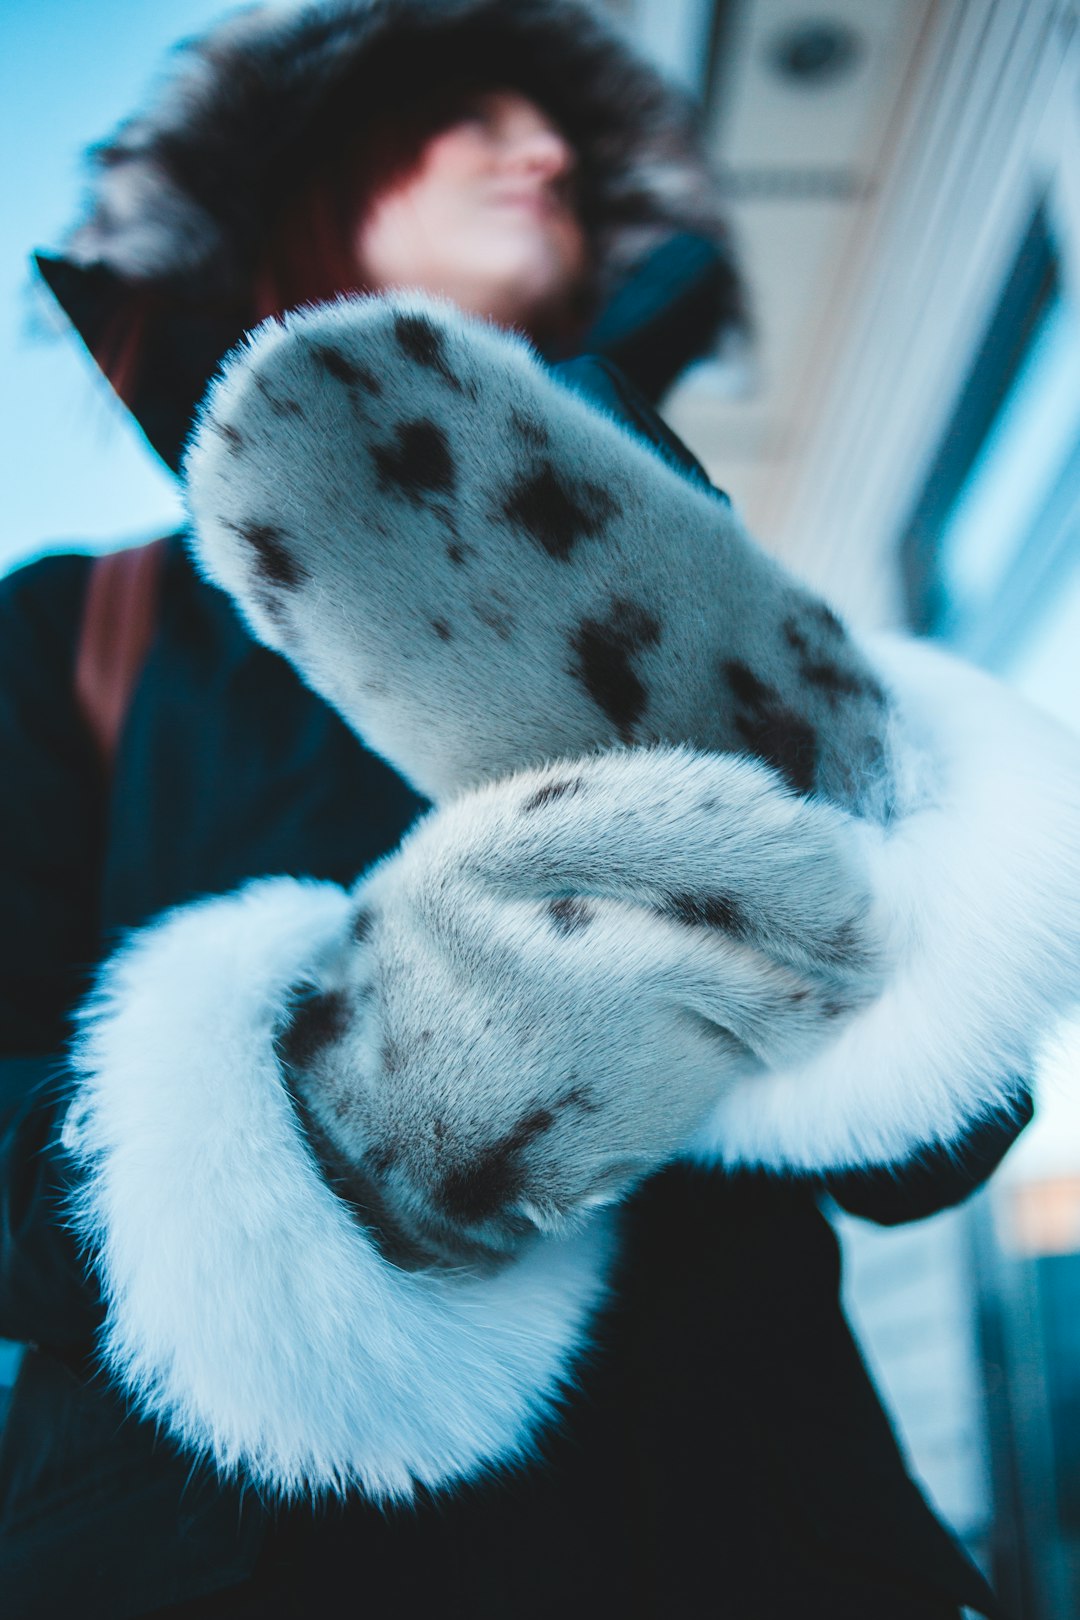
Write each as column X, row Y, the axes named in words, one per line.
column 837, row 683
column 280, row 407
column 345, row 1107
column 552, row 791
column 569, row 915
column 391, row 1057
column 530, row 432
column 872, row 754
column 774, row 733
column 456, row 553
column 425, row 344
column 578, row 1097
column 747, row 687
column 826, row 675
column 812, row 617
column 442, row 629
column 833, row 681
column 274, row 561
column 275, row 606
column 232, row 435
column 785, row 741
column 711, row 911
column 382, row 1158
column 454, row 540
column 846, row 946
column 528, row 1129
column 316, row 1020
column 606, row 649
column 360, row 1192
column 344, row 370
column 419, row 462
column 362, row 924
column 556, row 516
column 481, row 1188
column 794, row 637
column 493, row 616
column 825, row 618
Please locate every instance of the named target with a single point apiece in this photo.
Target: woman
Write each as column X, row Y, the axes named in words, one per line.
column 722, row 1449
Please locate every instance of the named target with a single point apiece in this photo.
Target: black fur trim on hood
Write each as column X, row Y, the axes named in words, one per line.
column 183, row 194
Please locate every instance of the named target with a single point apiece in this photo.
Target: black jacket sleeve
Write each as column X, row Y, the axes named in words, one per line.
column 50, row 836
column 939, row 1178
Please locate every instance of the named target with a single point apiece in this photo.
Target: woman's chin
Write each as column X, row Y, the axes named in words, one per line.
column 516, row 292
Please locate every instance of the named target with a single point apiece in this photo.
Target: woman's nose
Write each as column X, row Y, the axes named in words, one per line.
column 544, row 153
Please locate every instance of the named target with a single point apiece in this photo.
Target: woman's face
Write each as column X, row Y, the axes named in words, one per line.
column 486, row 218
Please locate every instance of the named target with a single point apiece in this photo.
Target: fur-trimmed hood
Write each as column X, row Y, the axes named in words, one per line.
column 184, row 193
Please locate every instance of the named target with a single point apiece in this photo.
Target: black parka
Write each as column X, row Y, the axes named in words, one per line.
column 724, row 1451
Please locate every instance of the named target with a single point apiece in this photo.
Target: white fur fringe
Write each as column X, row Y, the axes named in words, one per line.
column 248, row 1311
column 977, row 893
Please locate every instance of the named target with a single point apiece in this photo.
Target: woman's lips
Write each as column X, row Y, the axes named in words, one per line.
column 537, row 200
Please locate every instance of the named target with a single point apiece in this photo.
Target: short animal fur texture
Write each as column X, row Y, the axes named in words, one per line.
column 707, row 876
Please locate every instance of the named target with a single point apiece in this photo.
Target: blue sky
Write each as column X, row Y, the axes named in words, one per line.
column 74, row 470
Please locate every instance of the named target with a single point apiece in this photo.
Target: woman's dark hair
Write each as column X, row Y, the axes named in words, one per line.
column 309, row 254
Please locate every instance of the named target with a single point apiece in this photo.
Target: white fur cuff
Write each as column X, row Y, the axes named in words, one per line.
column 977, row 893
column 248, row 1311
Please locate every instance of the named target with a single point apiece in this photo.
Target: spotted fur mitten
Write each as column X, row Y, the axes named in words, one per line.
column 482, row 573
column 541, row 996
column 707, row 875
